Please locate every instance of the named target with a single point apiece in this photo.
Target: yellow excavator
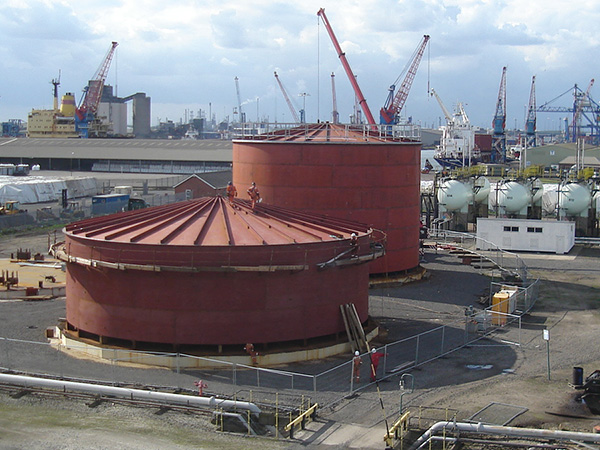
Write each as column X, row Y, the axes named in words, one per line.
column 10, row 207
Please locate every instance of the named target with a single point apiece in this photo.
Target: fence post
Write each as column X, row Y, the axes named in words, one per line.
column 443, row 338
column 417, row 350
column 234, row 374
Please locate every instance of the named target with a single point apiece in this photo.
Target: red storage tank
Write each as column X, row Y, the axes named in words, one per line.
column 206, row 272
column 342, row 171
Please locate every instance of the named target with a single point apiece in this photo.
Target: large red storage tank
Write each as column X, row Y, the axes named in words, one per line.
column 342, row 171
column 205, row 272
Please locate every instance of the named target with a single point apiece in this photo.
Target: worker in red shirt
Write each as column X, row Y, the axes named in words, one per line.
column 231, row 192
column 253, row 194
column 375, row 357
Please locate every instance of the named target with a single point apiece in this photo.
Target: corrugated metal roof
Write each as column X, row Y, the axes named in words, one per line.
column 212, row 221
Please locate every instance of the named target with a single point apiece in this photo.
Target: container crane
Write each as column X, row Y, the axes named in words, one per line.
column 588, row 109
column 287, row 99
column 581, row 100
column 86, row 111
column 390, row 112
column 530, row 122
column 239, row 99
column 499, row 124
column 361, row 99
column 335, row 115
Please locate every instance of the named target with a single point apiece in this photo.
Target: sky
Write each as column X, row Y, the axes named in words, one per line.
column 186, row 54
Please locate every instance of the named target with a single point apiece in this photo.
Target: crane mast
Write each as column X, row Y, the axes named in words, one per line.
column 239, row 99
column 530, row 123
column 287, row 99
column 447, row 114
column 394, row 103
column 93, row 93
column 499, row 123
column 335, row 115
column 580, row 102
column 55, row 84
column 361, row 99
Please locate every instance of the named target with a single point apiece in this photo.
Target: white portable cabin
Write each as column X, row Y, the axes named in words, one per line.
column 525, row 235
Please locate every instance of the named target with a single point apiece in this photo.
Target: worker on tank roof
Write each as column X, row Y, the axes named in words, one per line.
column 231, row 192
column 253, row 194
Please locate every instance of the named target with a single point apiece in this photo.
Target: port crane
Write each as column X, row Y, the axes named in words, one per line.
column 390, row 113
column 85, row 113
column 287, row 99
column 239, row 99
column 499, row 124
column 335, row 115
column 530, row 122
column 447, row 115
column 583, row 107
column 359, row 95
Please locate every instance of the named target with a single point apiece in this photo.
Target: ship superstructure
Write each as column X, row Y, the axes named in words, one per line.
column 457, row 145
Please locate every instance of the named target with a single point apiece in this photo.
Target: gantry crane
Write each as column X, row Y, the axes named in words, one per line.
column 530, row 122
column 287, row 99
column 335, row 115
column 583, row 107
column 390, row 113
column 581, row 100
column 86, row 111
column 499, row 124
column 239, row 99
column 359, row 95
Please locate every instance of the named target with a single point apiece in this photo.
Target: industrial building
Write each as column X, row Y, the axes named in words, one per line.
column 119, row 155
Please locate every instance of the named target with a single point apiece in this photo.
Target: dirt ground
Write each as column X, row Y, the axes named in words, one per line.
column 568, row 307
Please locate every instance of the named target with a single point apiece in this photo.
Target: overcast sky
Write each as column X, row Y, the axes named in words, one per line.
column 185, row 55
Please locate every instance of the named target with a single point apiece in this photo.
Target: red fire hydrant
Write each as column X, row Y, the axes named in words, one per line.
column 201, row 385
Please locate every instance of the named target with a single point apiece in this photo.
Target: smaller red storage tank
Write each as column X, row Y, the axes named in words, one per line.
column 207, row 272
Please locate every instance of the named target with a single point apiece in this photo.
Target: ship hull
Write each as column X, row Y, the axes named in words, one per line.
column 453, row 163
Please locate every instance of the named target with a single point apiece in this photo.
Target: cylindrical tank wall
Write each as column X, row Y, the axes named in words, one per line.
column 374, row 183
column 211, row 307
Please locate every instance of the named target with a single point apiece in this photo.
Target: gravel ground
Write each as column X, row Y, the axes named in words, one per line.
column 568, row 308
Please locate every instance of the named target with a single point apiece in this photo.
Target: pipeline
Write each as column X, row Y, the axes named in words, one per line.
column 127, row 393
column 503, row 431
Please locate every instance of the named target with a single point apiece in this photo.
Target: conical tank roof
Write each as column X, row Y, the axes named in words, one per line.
column 329, row 132
column 212, row 221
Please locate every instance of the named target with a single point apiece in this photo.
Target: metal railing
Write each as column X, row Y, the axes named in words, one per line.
column 328, row 132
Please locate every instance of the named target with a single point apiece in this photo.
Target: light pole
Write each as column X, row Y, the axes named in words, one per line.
column 303, row 112
column 403, row 390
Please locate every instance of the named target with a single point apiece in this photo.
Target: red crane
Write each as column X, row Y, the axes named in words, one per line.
column 287, row 99
column 394, row 103
column 93, row 92
column 361, row 99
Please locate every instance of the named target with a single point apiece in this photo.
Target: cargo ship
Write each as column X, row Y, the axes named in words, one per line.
column 457, row 145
